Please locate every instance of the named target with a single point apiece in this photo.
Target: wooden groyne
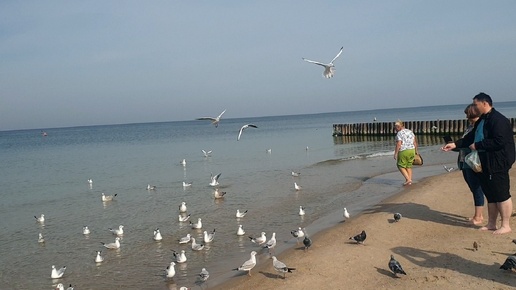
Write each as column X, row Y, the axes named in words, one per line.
column 437, row 127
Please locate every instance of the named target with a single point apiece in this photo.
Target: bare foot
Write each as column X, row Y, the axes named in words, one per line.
column 476, row 221
column 488, row 228
column 408, row 182
column 502, row 230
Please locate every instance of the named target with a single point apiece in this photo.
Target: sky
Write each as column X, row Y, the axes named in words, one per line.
column 77, row 63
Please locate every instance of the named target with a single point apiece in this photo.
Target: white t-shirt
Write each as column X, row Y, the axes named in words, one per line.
column 407, row 139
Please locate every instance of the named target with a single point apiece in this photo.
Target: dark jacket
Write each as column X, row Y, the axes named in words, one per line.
column 496, row 150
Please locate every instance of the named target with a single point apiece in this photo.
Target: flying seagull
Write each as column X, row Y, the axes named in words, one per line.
column 214, row 121
column 243, row 128
column 329, row 68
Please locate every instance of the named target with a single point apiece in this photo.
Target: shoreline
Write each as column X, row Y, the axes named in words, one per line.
column 433, row 242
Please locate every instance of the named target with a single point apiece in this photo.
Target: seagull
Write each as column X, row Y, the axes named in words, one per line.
column 297, row 234
column 297, row 187
column 119, row 231
column 195, row 246
column 197, row 225
column 204, row 275
column 248, row 265
column 397, row 217
column 307, row 242
column 509, row 264
column 99, row 258
column 157, row 235
column 180, row 257
column 240, row 231
column 215, row 179
column 208, row 237
column 182, row 207
column 151, row 187
column 218, row 194
column 243, row 128
column 85, row 230
column 215, row 121
column 115, row 245
column 240, row 214
column 184, row 218
column 60, row 286
column 280, row 266
column 259, row 240
column 90, row 181
column 301, row 210
column 40, row 219
column 185, row 239
column 329, row 68
column 183, row 162
column 360, row 238
column 206, row 153
column 57, row 273
column 171, row 271
column 108, row 197
column 269, row 151
column 40, row 238
column 396, row 267
column 187, row 184
column 346, row 213
column 449, row 169
column 271, row 243
column 295, row 174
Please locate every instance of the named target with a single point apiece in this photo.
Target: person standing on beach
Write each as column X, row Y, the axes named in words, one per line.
column 471, row 177
column 494, row 141
column 405, row 151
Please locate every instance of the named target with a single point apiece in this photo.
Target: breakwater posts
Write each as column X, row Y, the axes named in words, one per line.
column 437, row 127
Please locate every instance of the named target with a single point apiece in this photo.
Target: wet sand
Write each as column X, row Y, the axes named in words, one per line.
column 433, row 242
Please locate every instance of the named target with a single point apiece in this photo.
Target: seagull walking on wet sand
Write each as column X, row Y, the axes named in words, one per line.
column 360, row 238
column 113, row 246
column 248, row 265
column 215, row 121
column 240, row 214
column 397, row 217
column 329, row 68
column 57, row 273
column 281, row 267
column 395, row 267
column 259, row 240
column 271, row 243
column 108, row 197
column 243, row 128
column 215, row 179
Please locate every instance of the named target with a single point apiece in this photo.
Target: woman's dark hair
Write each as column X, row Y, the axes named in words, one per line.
column 472, row 111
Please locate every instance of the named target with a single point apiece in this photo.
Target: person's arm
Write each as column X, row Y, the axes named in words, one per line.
column 499, row 130
column 416, row 145
column 397, row 149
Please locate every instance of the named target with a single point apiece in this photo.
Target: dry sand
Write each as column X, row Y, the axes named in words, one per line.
column 433, row 242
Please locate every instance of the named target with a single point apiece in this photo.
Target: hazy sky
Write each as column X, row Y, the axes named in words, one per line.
column 72, row 63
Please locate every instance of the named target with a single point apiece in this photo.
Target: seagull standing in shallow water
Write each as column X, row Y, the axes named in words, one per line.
column 119, row 231
column 215, row 121
column 240, row 231
column 329, row 68
column 182, row 207
column 171, row 271
column 259, row 240
column 85, row 230
column 243, row 128
column 301, row 210
column 157, row 235
column 114, row 246
column 99, row 258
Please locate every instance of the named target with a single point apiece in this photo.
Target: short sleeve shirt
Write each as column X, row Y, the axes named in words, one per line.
column 407, row 139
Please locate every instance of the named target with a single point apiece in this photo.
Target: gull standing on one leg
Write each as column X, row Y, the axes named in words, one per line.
column 329, row 68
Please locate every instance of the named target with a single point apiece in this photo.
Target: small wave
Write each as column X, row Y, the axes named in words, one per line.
column 379, row 154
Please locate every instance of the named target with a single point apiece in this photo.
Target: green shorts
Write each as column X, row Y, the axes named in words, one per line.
column 405, row 158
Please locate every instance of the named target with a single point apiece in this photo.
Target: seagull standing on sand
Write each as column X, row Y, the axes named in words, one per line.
column 271, row 243
column 171, row 271
column 57, row 273
column 215, row 121
column 248, row 265
column 329, row 68
column 280, row 266
column 360, row 238
column 243, row 128
column 108, row 197
column 40, row 219
column 259, row 240
column 157, row 235
column 240, row 231
column 241, row 214
column 215, row 179
column 346, row 213
column 113, row 246
column 99, row 258
column 396, row 267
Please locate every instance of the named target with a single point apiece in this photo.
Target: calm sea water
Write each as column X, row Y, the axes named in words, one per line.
column 48, row 175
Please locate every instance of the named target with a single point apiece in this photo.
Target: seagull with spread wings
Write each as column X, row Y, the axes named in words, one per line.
column 215, row 121
column 329, row 68
column 243, row 128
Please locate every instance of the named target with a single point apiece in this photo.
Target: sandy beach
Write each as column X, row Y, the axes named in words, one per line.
column 433, row 242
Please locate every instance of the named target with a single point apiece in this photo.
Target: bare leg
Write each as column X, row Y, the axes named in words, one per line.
column 478, row 218
column 505, row 208
column 492, row 213
column 405, row 174
column 409, row 171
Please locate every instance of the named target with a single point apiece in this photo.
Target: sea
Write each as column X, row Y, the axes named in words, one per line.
column 49, row 175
